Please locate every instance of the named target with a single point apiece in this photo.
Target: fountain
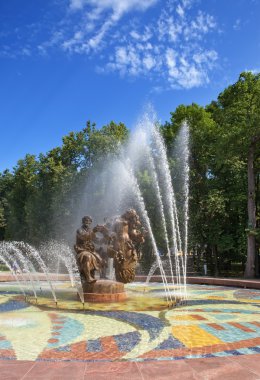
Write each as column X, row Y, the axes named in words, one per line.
column 93, row 298
column 122, row 238
column 115, row 246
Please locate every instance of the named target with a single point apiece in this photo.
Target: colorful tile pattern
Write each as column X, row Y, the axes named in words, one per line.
column 215, row 322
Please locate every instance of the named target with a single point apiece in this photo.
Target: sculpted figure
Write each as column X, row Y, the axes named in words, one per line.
column 124, row 246
column 121, row 239
column 88, row 259
column 136, row 232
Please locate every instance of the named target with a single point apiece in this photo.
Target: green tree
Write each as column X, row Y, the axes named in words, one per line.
column 237, row 113
column 216, row 183
column 24, row 185
column 6, row 184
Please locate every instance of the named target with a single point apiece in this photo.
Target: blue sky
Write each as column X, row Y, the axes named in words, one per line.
column 64, row 62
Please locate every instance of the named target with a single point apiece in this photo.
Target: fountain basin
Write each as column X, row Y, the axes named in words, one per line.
column 137, row 297
column 105, row 291
column 105, row 297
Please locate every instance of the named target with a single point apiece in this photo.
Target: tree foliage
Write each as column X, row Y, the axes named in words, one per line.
column 225, row 149
column 43, row 191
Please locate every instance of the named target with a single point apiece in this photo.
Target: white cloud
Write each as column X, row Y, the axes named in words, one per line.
column 186, row 71
column 180, row 10
column 121, row 56
column 56, row 39
column 175, row 51
column 93, row 11
column 190, row 76
column 237, row 24
column 77, row 4
column 170, row 46
column 255, row 70
column 145, row 36
column 170, row 56
column 26, row 51
column 7, row 52
column 149, row 62
column 207, row 56
column 203, row 22
column 119, row 7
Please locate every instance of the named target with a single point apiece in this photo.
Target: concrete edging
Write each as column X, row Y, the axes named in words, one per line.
column 200, row 280
column 236, row 282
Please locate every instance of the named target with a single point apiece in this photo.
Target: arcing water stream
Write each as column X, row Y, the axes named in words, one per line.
column 147, row 145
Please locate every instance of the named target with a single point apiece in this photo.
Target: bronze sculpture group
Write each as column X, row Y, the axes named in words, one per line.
column 119, row 238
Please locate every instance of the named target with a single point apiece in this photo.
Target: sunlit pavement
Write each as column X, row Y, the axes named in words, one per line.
column 216, row 335
column 243, row 367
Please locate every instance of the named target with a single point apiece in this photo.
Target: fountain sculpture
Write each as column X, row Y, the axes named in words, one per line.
column 121, row 240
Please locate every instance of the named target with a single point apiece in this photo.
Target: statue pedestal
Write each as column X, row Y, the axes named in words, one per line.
column 104, row 291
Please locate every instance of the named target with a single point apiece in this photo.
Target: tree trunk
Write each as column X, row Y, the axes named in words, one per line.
column 251, row 208
column 257, row 203
column 215, row 260
column 257, row 263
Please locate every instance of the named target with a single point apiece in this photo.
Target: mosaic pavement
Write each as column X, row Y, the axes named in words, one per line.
column 216, row 322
